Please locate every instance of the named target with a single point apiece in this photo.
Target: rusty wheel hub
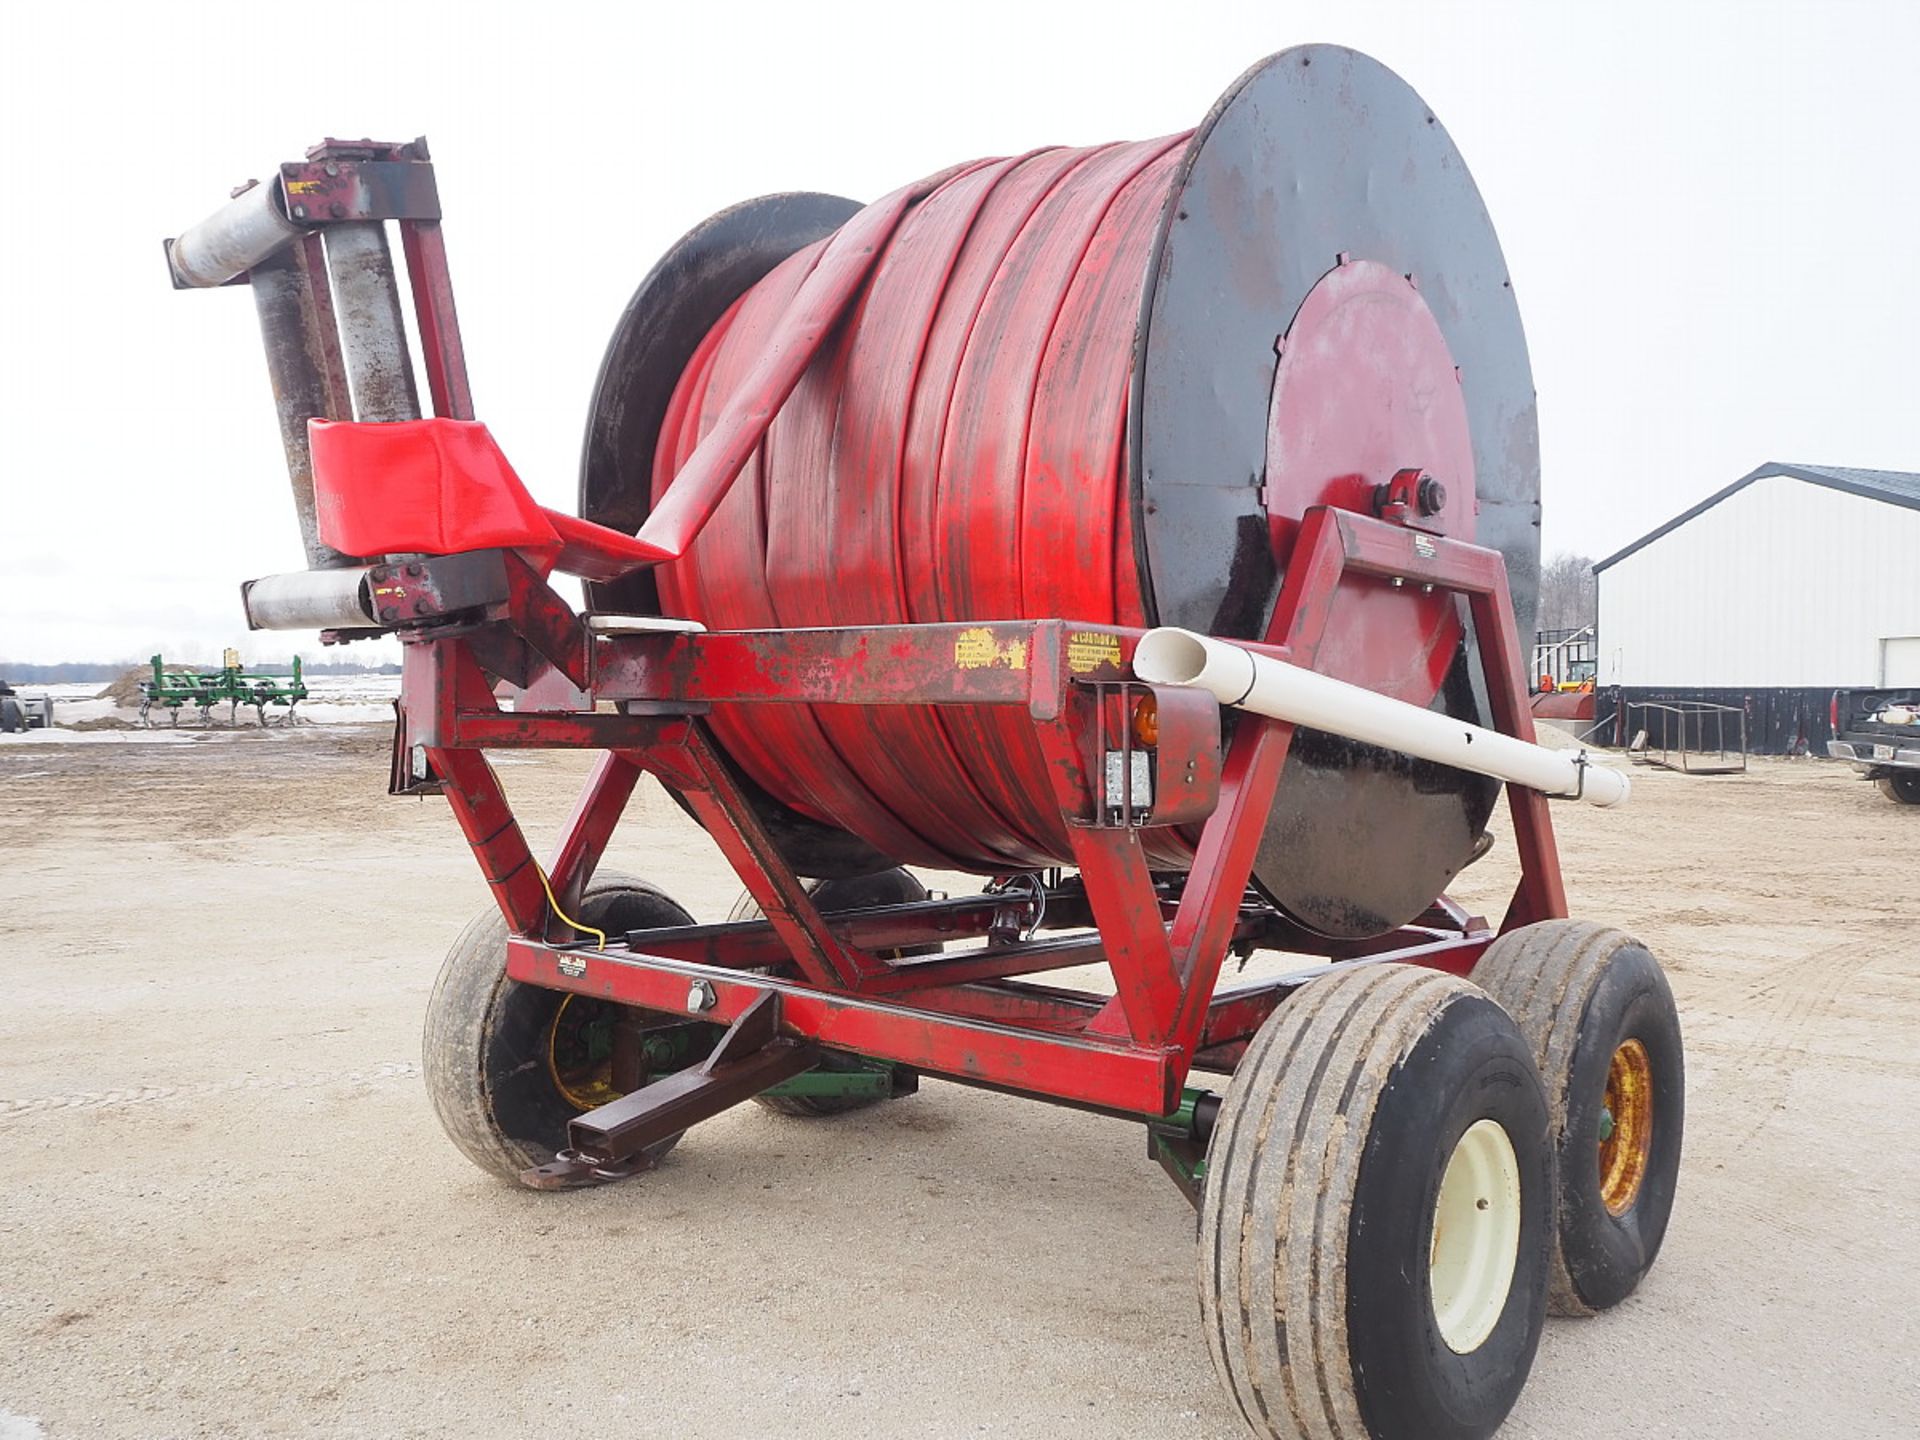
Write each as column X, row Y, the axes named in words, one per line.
column 1626, row 1127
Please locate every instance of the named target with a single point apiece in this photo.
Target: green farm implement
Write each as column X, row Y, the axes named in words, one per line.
column 172, row 689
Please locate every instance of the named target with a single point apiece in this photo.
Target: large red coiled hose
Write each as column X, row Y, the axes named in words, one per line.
column 956, row 452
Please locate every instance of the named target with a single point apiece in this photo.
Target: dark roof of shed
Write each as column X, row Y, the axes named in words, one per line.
column 1896, row 487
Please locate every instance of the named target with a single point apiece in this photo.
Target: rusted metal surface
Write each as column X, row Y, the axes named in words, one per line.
column 248, row 229
column 341, row 182
column 310, row 600
column 373, row 336
column 740, row 944
column 304, row 366
column 400, row 595
column 410, row 592
column 349, row 182
column 325, row 360
column 1087, row 1070
column 1626, row 1127
column 1027, row 663
column 545, row 621
column 751, row 1056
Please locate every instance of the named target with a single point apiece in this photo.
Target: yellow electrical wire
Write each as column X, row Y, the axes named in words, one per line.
column 547, row 886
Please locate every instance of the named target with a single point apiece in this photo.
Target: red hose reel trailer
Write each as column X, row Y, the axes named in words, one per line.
column 1146, row 528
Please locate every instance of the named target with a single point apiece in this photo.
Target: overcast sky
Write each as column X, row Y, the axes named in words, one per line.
column 1709, row 210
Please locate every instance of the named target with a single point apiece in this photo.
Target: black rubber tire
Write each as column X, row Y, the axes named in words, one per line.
column 12, row 718
column 483, row 1051
column 887, row 887
column 1902, row 788
column 1317, row 1212
column 1578, row 991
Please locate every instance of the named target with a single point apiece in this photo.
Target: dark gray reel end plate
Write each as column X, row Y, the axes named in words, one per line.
column 1314, row 153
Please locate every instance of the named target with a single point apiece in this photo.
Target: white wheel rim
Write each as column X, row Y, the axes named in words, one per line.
column 1476, row 1236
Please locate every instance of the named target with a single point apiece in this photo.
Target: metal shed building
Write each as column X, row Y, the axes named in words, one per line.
column 1792, row 582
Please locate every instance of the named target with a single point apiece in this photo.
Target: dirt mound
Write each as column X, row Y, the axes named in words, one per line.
column 125, row 692
column 1555, row 738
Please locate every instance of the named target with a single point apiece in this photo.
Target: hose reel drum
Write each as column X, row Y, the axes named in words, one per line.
column 1106, row 384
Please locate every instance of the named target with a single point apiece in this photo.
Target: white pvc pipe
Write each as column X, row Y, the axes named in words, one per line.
column 1237, row 676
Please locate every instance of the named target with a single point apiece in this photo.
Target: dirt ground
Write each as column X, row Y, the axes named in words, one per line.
column 226, row 1208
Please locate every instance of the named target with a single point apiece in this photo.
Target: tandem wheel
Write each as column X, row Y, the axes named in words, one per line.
column 507, row 1065
column 1600, row 1019
column 1377, row 1213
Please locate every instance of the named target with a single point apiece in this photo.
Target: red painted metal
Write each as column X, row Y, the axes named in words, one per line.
column 884, row 473
column 702, row 483
column 999, row 663
column 1564, row 705
column 441, row 487
column 742, row 944
column 998, row 727
column 1072, row 1068
column 442, row 350
column 1364, row 383
column 974, row 412
column 958, row 1014
column 719, row 806
column 480, row 806
column 583, row 839
column 954, row 452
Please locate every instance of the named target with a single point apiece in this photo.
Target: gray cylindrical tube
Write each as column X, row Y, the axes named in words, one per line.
column 231, row 241
column 310, row 600
column 303, row 364
column 373, row 332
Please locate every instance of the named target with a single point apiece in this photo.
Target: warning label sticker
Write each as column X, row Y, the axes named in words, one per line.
column 978, row 649
column 1089, row 650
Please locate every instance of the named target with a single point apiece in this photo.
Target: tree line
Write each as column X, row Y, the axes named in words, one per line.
column 1568, row 594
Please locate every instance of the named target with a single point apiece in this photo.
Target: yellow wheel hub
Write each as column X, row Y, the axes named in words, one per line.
column 580, row 1052
column 1626, row 1127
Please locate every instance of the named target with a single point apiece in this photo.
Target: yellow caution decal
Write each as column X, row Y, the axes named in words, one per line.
column 977, row 649
column 1089, row 650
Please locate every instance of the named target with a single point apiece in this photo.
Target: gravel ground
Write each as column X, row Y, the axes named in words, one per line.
column 226, row 1209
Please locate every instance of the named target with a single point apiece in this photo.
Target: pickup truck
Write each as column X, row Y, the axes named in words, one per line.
column 23, row 712
column 1879, row 732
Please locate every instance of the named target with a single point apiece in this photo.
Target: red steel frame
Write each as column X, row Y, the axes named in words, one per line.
column 965, row 1016
column 961, row 1016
